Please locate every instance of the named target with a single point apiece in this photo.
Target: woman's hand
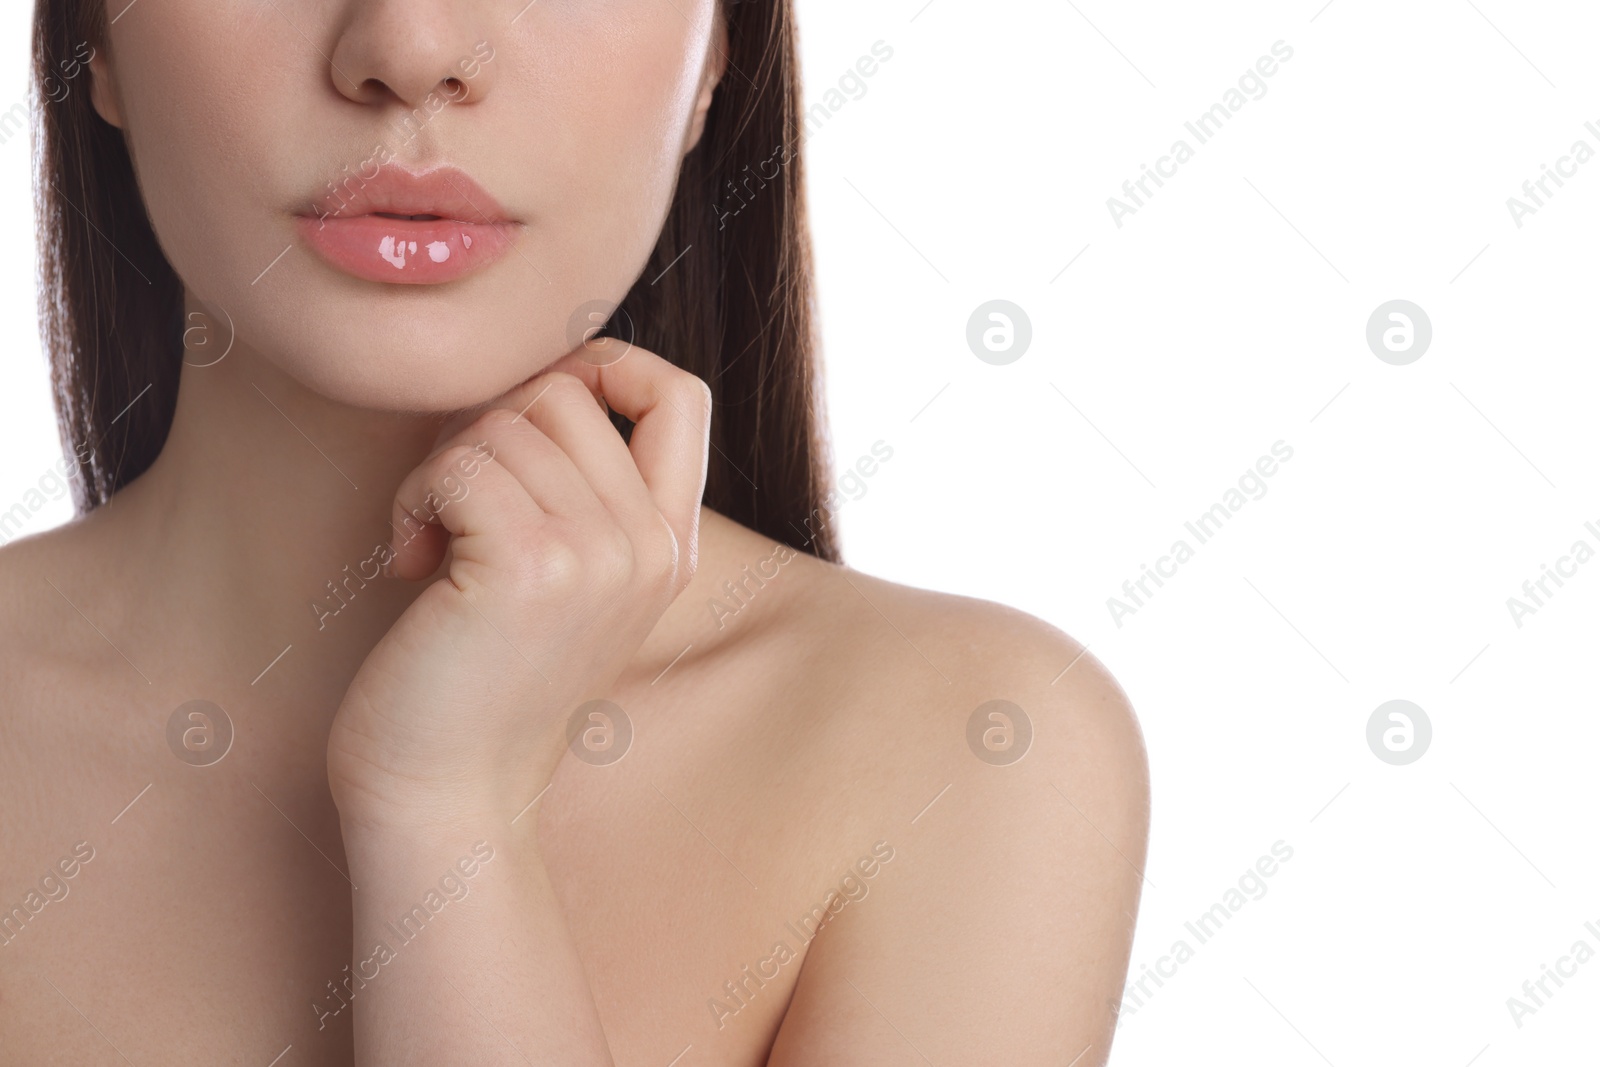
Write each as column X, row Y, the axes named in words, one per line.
column 566, row 546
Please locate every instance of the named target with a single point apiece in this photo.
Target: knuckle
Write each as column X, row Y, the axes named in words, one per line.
column 663, row 560
column 575, row 563
column 434, row 484
column 446, row 476
column 545, row 568
column 691, row 387
column 452, row 458
column 615, row 561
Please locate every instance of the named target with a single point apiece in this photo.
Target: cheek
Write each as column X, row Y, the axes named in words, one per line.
column 208, row 119
column 619, row 119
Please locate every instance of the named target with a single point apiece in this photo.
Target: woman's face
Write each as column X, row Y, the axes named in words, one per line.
column 262, row 129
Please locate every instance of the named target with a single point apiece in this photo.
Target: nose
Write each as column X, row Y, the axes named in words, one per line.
column 406, row 50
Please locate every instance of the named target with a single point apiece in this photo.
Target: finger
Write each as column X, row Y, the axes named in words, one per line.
column 541, row 466
column 565, row 410
column 671, row 412
column 517, row 398
column 460, row 491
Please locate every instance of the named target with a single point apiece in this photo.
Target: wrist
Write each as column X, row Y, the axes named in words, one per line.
column 427, row 822
column 384, row 806
column 394, row 851
column 385, row 790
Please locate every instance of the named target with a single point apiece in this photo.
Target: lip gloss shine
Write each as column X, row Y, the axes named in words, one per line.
column 412, row 229
column 406, row 252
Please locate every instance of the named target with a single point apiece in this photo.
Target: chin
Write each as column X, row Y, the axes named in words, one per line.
column 374, row 354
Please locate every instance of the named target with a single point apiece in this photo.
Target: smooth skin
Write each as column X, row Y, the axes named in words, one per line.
column 778, row 754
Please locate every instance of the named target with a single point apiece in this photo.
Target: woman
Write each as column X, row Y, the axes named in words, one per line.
column 429, row 679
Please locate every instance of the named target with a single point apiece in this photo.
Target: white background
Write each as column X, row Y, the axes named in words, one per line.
column 1227, row 314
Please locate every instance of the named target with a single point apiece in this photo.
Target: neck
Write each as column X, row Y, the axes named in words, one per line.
column 255, row 529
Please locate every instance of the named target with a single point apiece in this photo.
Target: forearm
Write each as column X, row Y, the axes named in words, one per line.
column 454, row 968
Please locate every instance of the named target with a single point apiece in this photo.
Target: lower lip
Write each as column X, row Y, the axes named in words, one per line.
column 403, row 252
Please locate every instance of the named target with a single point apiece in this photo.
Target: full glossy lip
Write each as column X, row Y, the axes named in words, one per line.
column 445, row 192
column 403, row 227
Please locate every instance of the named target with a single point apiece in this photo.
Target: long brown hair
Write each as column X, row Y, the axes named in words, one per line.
column 727, row 294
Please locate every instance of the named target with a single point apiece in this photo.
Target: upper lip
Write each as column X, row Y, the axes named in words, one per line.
column 446, row 192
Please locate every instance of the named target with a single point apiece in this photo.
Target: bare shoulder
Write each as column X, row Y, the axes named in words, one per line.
column 1003, row 770
column 32, row 570
column 913, row 650
column 54, row 688
column 46, row 670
